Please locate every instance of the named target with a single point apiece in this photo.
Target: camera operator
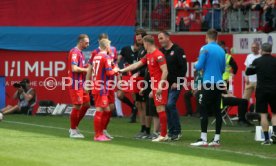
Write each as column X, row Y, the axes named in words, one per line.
column 26, row 98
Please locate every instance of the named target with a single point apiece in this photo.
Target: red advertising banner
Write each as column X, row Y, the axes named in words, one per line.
column 44, row 70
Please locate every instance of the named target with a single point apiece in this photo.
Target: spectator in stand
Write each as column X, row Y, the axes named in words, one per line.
column 183, row 16
column 237, row 4
column 269, row 16
column 161, row 16
column 182, row 4
column 196, row 17
column 213, row 16
column 206, row 4
column 256, row 5
column 225, row 5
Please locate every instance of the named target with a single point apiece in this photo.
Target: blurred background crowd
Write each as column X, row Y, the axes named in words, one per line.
column 200, row 15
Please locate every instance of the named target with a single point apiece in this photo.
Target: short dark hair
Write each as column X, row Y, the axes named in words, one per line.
column 82, row 36
column 103, row 36
column 140, row 31
column 212, row 34
column 166, row 33
column 267, row 47
column 149, row 39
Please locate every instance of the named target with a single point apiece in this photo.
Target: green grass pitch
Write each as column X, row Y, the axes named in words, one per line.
column 44, row 141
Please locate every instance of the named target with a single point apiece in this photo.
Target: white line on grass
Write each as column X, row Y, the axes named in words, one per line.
column 168, row 143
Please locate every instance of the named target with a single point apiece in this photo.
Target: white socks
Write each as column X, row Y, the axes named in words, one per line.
column 217, row 137
column 203, row 136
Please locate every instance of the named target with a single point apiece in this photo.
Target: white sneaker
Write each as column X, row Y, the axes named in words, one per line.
column 200, row 142
column 73, row 129
column 1, row 116
column 214, row 143
column 107, row 134
column 160, row 139
column 75, row 134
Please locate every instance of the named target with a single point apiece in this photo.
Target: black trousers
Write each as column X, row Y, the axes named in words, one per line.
column 210, row 100
column 187, row 99
column 241, row 103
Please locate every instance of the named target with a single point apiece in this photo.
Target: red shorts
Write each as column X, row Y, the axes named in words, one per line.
column 111, row 96
column 162, row 100
column 101, row 101
column 79, row 96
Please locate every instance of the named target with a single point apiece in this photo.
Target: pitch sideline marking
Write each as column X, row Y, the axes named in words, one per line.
column 172, row 144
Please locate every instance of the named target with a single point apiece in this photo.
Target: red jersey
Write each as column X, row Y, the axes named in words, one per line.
column 154, row 61
column 113, row 54
column 101, row 64
column 76, row 57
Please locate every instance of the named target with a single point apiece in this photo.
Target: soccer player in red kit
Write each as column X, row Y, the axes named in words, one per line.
column 100, row 69
column 158, row 72
column 112, row 53
column 77, row 71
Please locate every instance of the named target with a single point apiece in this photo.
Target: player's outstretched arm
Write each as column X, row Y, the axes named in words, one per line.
column 131, row 67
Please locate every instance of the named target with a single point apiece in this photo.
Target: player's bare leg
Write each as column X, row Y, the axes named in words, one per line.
column 10, row 110
column 156, row 125
column 6, row 108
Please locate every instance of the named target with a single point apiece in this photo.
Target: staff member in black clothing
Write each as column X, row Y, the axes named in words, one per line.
column 265, row 68
column 177, row 67
column 228, row 99
column 129, row 55
column 140, row 100
column 151, row 112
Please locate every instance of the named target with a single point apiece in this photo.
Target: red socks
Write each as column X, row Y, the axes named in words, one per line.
column 106, row 119
column 82, row 113
column 98, row 123
column 163, row 123
column 74, row 118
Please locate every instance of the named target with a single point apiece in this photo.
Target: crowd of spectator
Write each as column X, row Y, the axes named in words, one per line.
column 205, row 14
column 200, row 15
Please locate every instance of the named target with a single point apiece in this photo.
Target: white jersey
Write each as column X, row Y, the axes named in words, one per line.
column 249, row 59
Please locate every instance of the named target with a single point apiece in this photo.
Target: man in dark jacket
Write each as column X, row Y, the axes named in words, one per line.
column 177, row 67
column 265, row 68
